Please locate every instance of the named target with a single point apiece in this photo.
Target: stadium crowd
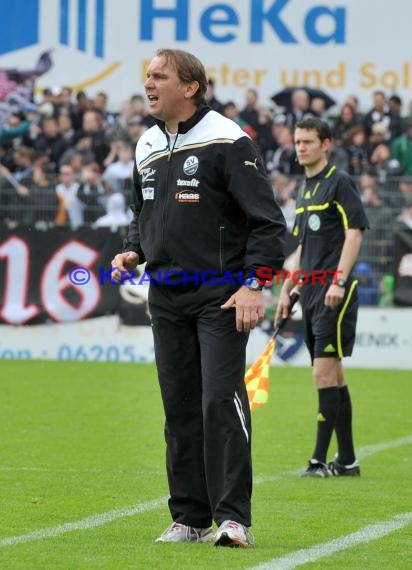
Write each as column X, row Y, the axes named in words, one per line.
column 67, row 161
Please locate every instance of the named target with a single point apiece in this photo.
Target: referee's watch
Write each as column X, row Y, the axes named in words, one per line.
column 341, row 283
column 254, row 285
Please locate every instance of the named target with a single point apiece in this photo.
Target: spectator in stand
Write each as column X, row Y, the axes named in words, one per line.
column 65, row 126
column 65, row 105
column 47, row 106
column 369, row 189
column 135, row 129
column 82, row 146
column 380, row 160
column 50, row 142
column 231, row 111
column 43, row 202
column 405, row 186
column 284, row 191
column 338, row 156
column 401, row 150
column 318, row 108
column 116, row 215
column 139, row 108
column 382, row 113
column 379, row 151
column 120, row 172
column 354, row 143
column 76, row 161
column 99, row 103
column 93, row 127
column 376, row 247
column 353, row 102
column 210, row 97
column 395, row 104
column 284, row 157
column 300, row 108
column 345, row 121
column 34, row 118
column 83, row 104
column 92, row 193
column 15, row 130
column 404, row 220
column 125, row 114
column 70, row 207
column 266, row 129
column 250, row 112
column 23, row 158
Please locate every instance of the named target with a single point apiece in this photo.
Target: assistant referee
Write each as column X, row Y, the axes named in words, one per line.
column 329, row 223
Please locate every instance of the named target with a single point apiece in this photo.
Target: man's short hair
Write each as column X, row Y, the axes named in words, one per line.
column 314, row 124
column 188, row 67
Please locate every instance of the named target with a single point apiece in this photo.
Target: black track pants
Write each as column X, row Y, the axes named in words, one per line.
column 200, row 359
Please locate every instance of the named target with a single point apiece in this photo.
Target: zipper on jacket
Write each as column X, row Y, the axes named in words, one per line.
column 163, row 217
column 221, row 247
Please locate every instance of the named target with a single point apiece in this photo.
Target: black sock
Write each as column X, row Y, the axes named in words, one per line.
column 327, row 414
column 343, row 428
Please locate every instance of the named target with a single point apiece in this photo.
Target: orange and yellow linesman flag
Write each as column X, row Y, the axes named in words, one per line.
column 257, row 378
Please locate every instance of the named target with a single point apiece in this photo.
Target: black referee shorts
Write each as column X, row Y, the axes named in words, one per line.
column 329, row 333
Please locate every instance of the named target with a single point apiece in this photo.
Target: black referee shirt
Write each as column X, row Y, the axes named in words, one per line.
column 326, row 206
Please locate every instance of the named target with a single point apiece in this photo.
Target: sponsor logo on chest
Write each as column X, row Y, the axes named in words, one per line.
column 192, row 183
column 185, row 196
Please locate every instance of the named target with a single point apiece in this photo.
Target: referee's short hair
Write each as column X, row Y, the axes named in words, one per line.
column 314, row 124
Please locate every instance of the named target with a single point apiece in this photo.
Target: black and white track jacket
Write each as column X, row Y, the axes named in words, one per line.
column 204, row 204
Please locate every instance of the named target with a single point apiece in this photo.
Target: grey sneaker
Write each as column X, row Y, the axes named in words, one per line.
column 317, row 469
column 177, row 532
column 339, row 470
column 231, row 533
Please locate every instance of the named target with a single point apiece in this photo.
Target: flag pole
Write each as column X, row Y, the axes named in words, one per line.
column 257, row 376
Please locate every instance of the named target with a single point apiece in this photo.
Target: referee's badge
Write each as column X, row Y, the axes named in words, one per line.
column 314, row 222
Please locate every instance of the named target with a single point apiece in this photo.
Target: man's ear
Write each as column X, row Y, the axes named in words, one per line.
column 191, row 89
column 326, row 145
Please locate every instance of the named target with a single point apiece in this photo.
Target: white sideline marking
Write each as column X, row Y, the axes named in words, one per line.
column 268, row 478
column 48, row 469
column 312, row 554
column 376, row 448
column 84, row 524
column 79, row 470
column 110, row 516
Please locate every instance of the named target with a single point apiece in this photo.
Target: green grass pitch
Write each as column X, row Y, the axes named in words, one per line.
column 81, row 440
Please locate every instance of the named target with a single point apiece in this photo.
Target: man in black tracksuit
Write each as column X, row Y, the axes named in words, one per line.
column 204, row 218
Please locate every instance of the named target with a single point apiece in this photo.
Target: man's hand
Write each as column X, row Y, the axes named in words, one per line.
column 22, row 191
column 282, row 310
column 334, row 296
column 124, row 262
column 249, row 308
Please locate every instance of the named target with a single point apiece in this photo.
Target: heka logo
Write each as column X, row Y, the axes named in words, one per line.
column 20, row 24
column 220, row 22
